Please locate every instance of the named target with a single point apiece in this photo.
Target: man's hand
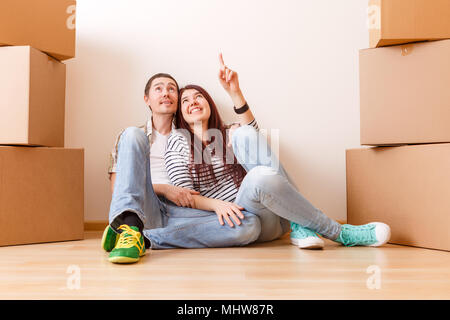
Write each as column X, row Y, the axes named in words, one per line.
column 180, row 196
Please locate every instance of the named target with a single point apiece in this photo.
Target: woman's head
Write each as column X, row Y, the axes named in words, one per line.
column 196, row 105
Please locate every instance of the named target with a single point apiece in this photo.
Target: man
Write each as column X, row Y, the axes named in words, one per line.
column 146, row 211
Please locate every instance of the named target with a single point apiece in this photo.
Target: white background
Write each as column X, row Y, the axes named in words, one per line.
column 297, row 61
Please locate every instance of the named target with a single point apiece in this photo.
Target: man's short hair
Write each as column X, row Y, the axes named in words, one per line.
column 158, row 75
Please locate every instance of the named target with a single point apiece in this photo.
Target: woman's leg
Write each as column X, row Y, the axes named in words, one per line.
column 251, row 150
column 192, row 228
column 261, row 193
column 265, row 189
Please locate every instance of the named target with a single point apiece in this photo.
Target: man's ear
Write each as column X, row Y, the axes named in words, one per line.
column 147, row 102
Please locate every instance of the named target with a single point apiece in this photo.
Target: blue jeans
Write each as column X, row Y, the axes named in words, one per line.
column 268, row 192
column 165, row 224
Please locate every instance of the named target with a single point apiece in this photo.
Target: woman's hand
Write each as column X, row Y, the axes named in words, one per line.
column 228, row 78
column 225, row 210
column 182, row 197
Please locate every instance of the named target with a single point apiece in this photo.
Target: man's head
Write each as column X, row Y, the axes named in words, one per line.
column 161, row 94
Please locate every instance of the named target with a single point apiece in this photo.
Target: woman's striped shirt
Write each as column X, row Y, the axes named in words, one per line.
column 178, row 160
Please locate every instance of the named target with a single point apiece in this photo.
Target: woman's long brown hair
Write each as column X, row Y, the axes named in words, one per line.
column 204, row 170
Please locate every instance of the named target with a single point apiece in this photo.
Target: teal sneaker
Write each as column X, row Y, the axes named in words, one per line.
column 373, row 234
column 109, row 239
column 130, row 246
column 305, row 238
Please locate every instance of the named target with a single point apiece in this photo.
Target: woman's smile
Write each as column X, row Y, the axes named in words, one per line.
column 195, row 109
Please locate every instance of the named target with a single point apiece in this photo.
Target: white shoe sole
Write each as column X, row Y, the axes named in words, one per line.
column 308, row 243
column 382, row 233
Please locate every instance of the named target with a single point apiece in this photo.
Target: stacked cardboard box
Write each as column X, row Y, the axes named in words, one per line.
column 404, row 179
column 41, row 182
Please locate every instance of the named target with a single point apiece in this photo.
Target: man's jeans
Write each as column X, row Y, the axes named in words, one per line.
column 268, row 192
column 165, row 224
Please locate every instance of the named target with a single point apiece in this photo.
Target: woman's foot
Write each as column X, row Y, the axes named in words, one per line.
column 373, row 234
column 305, row 238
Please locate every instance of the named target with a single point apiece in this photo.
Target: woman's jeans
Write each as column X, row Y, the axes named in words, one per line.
column 165, row 224
column 267, row 191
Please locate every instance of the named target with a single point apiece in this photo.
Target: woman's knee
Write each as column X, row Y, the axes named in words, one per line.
column 245, row 136
column 264, row 176
column 249, row 230
column 245, row 132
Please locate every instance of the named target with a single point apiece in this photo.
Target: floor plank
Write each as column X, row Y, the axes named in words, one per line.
column 275, row 270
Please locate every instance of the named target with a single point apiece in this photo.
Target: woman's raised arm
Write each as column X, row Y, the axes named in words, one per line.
column 230, row 82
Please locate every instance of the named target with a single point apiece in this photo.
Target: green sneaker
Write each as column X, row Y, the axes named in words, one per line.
column 373, row 234
column 109, row 239
column 130, row 246
column 305, row 238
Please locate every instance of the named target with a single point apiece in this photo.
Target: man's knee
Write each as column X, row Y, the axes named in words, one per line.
column 133, row 135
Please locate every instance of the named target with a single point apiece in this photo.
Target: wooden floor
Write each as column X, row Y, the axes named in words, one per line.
column 276, row 270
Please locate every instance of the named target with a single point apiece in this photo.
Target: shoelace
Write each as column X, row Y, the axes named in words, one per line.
column 129, row 238
column 357, row 235
column 304, row 232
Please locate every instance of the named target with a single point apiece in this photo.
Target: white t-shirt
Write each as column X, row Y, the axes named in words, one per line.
column 157, row 163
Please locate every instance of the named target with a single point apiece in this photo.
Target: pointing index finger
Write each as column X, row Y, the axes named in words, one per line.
column 222, row 63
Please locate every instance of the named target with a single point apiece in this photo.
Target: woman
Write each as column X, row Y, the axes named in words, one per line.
column 198, row 157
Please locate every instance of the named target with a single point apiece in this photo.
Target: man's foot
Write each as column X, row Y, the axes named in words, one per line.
column 109, row 239
column 373, row 234
column 130, row 246
column 305, row 238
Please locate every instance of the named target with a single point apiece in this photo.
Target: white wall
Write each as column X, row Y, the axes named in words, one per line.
column 298, row 67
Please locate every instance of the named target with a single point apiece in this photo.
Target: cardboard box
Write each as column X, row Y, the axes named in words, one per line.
column 406, row 187
column 47, row 25
column 405, row 95
column 393, row 22
column 32, row 98
column 41, row 195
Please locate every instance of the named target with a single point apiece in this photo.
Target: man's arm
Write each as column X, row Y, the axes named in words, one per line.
column 112, row 179
column 180, row 196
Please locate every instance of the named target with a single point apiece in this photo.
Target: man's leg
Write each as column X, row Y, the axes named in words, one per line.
column 134, row 204
column 133, row 189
